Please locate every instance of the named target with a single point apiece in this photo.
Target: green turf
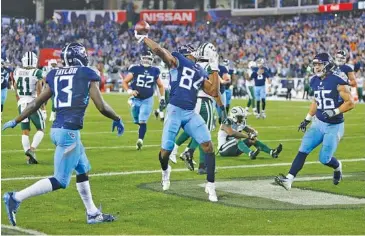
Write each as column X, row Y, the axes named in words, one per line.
column 142, row 210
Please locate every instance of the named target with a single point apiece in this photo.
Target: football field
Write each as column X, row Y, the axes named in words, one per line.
column 126, row 182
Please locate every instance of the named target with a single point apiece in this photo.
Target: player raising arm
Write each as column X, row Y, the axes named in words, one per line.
column 71, row 86
column 328, row 126
column 186, row 79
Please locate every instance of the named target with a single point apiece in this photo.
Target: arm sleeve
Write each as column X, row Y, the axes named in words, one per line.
column 91, row 75
column 158, row 72
column 179, row 58
column 38, row 73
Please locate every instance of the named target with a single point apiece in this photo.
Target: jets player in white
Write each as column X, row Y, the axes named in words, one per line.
column 52, row 64
column 27, row 84
column 165, row 77
column 250, row 84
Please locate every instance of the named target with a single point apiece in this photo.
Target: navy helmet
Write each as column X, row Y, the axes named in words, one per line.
column 147, row 58
column 186, row 49
column 74, row 54
column 341, row 57
column 322, row 64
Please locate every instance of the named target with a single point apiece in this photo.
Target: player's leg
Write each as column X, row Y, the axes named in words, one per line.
column 4, row 93
column 258, row 99
column 228, row 99
column 52, row 117
column 311, row 139
column 250, row 95
column 198, row 130
column 263, row 147
column 144, row 113
column 263, row 100
column 25, row 127
column 167, row 97
column 359, row 93
column 172, row 124
column 332, row 136
column 39, row 122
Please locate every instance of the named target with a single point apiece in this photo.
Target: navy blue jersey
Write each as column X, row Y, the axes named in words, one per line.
column 70, row 90
column 346, row 69
column 231, row 72
column 185, row 82
column 222, row 70
column 327, row 95
column 357, row 66
column 144, row 80
column 260, row 80
column 5, row 76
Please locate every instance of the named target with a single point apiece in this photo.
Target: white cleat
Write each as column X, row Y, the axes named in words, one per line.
column 139, row 144
column 263, row 115
column 173, row 154
column 283, row 181
column 166, row 178
column 52, row 117
column 210, row 190
column 257, row 115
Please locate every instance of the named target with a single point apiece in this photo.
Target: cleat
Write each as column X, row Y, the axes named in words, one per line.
column 162, row 119
column 253, row 154
column 275, row 153
column 32, row 157
column 11, row 206
column 166, row 178
column 210, row 190
column 202, row 171
column 337, row 175
column 257, row 116
column 139, row 144
column 99, row 217
column 283, row 181
column 162, row 116
column 156, row 114
column 188, row 159
column 263, row 115
column 52, row 117
column 173, row 154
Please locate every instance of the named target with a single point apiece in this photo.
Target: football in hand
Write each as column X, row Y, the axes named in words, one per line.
column 142, row 27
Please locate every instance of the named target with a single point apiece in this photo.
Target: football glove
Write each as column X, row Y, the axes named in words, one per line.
column 213, row 62
column 330, row 113
column 303, row 125
column 9, row 124
column 162, row 104
column 120, row 126
column 140, row 37
column 252, row 135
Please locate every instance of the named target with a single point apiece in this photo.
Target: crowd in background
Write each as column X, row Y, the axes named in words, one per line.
column 286, row 43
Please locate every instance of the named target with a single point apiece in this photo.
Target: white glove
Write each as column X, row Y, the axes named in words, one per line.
column 139, row 37
column 213, row 62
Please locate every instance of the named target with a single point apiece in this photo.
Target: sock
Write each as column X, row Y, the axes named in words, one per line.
column 38, row 188
column 258, row 106
column 37, row 138
column 163, row 161
column 25, row 142
column 142, row 130
column 263, row 104
column 333, row 163
column 249, row 102
column 193, row 144
column 2, row 108
column 182, row 138
column 243, row 147
column 298, row 163
column 158, row 110
column 162, row 115
column 210, row 163
column 201, row 158
column 85, row 193
column 263, row 147
column 253, row 104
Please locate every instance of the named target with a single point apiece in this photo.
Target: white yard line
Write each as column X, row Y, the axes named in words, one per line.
column 139, row 172
column 27, row 231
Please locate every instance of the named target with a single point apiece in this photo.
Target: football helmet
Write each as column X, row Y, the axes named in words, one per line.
column 260, row 62
column 205, row 52
column 238, row 114
column 186, row 49
column 251, row 64
column 52, row 63
column 29, row 59
column 341, row 57
column 147, row 59
column 322, row 64
column 74, row 54
column 226, row 62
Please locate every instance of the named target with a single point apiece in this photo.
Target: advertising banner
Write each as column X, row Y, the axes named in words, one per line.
column 174, row 16
column 68, row 16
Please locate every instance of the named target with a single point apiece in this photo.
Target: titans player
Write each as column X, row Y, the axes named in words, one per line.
column 225, row 80
column 5, row 77
column 332, row 99
column 260, row 75
column 186, row 80
column 143, row 79
column 341, row 58
column 71, row 86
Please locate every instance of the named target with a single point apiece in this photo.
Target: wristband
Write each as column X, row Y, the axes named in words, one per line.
column 308, row 117
column 337, row 111
column 130, row 91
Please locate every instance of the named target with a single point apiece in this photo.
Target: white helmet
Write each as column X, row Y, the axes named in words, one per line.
column 51, row 62
column 29, row 59
column 238, row 114
column 251, row 64
column 205, row 52
column 260, row 62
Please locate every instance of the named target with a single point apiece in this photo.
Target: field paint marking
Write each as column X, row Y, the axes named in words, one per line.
column 139, row 172
column 27, row 231
column 158, row 145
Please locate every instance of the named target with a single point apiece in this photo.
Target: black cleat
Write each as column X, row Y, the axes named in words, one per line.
column 156, row 114
column 188, row 159
column 32, row 157
column 253, row 154
column 275, row 153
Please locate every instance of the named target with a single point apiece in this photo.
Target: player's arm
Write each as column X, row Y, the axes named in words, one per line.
column 312, row 111
column 99, row 102
column 127, row 79
column 226, row 79
column 212, row 84
column 352, row 79
column 39, row 88
column 163, row 53
column 161, row 88
column 348, row 103
column 16, row 91
column 35, row 104
column 228, row 129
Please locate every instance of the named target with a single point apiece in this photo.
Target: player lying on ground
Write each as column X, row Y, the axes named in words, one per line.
column 332, row 99
column 71, row 86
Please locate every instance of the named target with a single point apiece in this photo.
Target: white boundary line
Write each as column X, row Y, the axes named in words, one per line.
column 158, row 145
column 139, row 172
column 27, row 231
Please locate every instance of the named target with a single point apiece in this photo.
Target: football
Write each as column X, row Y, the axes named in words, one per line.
column 142, row 27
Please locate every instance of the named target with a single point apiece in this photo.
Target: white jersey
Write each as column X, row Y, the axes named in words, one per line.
column 165, row 77
column 223, row 136
column 360, row 82
column 250, row 82
column 26, row 80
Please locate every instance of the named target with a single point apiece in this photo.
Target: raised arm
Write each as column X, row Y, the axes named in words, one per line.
column 163, row 53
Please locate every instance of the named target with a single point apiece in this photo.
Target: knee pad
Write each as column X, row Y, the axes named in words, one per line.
column 55, row 184
column 82, row 178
